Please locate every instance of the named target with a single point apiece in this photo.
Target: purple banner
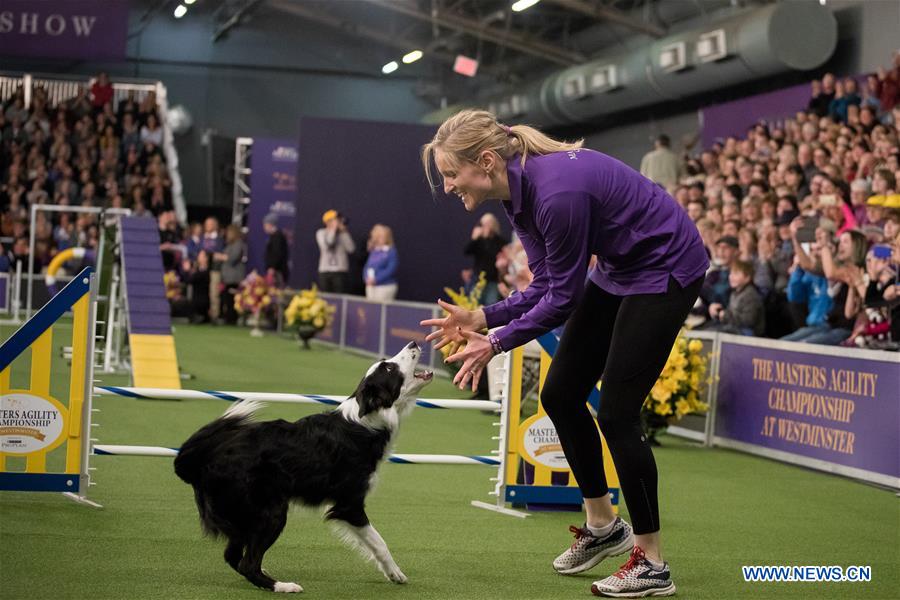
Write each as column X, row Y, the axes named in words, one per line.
column 363, row 326
column 332, row 333
column 402, row 327
column 839, row 409
column 273, row 189
column 70, row 29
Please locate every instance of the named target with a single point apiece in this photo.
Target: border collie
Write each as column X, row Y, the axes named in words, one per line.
column 245, row 473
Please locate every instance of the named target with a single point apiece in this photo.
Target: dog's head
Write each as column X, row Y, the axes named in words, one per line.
column 392, row 383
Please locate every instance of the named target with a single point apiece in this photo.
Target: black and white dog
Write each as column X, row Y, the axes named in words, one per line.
column 245, row 473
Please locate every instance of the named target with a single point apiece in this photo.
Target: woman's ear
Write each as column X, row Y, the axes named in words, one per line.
column 487, row 160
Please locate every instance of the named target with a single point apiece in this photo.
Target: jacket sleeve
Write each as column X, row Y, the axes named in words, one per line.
column 796, row 289
column 346, row 242
column 564, row 222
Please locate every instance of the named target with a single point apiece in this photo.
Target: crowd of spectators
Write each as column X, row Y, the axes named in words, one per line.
column 801, row 219
column 85, row 151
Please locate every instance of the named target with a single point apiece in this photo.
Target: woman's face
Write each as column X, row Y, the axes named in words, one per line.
column 845, row 246
column 465, row 179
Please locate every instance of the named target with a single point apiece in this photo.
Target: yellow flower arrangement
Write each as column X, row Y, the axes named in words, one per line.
column 468, row 301
column 677, row 391
column 309, row 313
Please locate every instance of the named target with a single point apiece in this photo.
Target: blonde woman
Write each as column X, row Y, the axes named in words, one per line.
column 380, row 272
column 566, row 203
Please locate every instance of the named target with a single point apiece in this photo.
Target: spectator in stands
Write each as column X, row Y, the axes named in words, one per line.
column 696, row 209
column 335, row 247
column 380, row 271
column 661, row 164
column 889, row 85
column 233, row 260
column 484, row 246
column 151, row 132
column 277, row 251
column 744, row 313
column 845, row 95
column 101, row 91
column 716, row 288
column 822, row 94
column 859, row 193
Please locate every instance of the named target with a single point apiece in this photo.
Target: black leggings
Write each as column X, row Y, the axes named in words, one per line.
column 627, row 340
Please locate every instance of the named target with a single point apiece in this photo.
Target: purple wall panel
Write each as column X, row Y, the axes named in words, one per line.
column 363, row 326
column 372, row 172
column 402, row 327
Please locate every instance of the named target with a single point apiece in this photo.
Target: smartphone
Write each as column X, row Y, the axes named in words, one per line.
column 807, row 232
column 881, row 251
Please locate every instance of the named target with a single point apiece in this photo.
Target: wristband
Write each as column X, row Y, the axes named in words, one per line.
column 495, row 343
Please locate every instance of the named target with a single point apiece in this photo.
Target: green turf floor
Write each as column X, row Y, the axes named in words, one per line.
column 720, row 509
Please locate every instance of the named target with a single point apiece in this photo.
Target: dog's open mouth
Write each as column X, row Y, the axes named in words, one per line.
column 425, row 375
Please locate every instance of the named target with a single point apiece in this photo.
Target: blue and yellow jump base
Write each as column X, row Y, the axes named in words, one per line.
column 33, row 422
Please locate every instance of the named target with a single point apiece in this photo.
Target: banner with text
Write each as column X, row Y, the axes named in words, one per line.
column 844, row 410
column 273, row 190
column 70, row 29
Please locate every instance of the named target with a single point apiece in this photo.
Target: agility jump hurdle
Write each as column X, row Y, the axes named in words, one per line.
column 169, row 394
column 32, row 421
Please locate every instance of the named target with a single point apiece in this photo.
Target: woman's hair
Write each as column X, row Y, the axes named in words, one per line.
column 470, row 132
column 388, row 234
column 232, row 233
column 860, row 245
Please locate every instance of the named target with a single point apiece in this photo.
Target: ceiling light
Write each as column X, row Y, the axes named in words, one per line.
column 521, row 5
column 390, row 67
column 189, row 2
column 180, row 11
column 412, row 57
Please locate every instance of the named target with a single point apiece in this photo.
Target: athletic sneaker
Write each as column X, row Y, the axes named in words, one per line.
column 636, row 579
column 588, row 550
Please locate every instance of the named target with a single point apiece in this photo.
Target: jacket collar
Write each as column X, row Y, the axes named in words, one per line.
column 515, row 175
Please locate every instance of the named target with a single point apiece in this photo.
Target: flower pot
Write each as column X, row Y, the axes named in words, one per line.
column 306, row 333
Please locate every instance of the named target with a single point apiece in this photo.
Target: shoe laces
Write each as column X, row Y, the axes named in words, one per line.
column 637, row 556
column 580, row 532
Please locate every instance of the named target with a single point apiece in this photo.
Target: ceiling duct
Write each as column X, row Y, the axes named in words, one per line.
column 759, row 43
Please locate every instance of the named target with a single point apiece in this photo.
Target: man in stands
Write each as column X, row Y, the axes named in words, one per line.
column 661, row 164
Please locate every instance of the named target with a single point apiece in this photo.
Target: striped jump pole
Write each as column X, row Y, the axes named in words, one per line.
column 400, row 459
column 170, row 394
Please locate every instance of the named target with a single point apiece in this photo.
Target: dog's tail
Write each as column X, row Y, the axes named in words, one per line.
column 196, row 452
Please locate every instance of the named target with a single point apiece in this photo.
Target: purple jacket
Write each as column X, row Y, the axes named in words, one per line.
column 567, row 206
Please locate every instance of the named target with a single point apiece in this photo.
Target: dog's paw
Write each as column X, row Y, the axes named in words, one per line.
column 395, row 575
column 288, row 587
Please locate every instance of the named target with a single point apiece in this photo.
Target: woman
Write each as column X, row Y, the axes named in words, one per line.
column 567, row 203
column 232, row 261
column 380, row 272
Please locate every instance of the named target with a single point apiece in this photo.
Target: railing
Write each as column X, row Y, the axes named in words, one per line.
column 60, row 89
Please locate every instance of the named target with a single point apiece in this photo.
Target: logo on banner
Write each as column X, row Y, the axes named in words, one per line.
column 284, row 182
column 540, row 445
column 284, row 154
column 30, row 423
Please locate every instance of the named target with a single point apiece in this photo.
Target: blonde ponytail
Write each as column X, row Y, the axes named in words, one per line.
column 468, row 133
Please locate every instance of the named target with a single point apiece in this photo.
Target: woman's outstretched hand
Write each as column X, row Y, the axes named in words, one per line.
column 475, row 357
column 450, row 328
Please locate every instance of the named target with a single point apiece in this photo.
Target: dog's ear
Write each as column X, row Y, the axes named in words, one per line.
column 372, row 396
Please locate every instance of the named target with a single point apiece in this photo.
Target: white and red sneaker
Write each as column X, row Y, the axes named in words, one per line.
column 637, row 578
column 588, row 550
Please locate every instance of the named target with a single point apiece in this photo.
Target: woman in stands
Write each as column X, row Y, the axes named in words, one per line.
column 567, row 203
